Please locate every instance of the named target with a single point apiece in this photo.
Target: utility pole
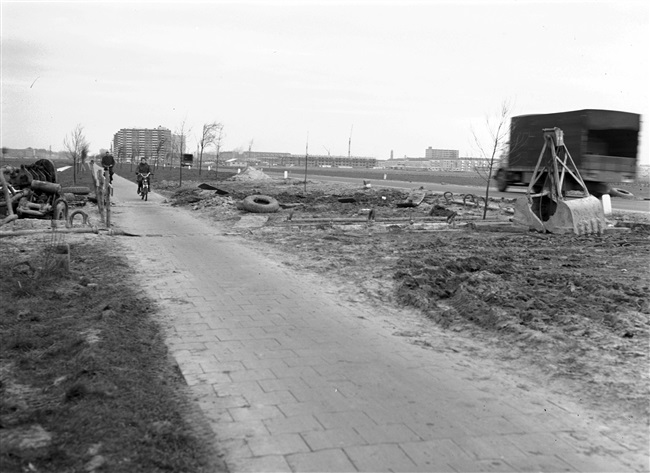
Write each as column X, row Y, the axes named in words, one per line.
column 180, row 161
column 350, row 141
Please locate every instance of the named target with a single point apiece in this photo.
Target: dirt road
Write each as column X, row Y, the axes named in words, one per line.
column 294, row 375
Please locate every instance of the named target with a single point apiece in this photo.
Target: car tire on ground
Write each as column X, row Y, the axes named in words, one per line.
column 614, row 192
column 260, row 204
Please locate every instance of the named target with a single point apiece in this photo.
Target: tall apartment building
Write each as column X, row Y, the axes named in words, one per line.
column 151, row 143
column 440, row 154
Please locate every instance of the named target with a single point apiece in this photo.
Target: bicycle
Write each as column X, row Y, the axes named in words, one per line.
column 145, row 186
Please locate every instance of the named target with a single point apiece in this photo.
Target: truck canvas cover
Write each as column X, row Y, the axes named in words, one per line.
column 593, row 137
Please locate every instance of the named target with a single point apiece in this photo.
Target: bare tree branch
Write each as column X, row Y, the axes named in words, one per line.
column 159, row 147
column 209, row 135
column 492, row 148
column 218, row 141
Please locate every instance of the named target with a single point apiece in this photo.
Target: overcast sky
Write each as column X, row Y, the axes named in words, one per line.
column 394, row 75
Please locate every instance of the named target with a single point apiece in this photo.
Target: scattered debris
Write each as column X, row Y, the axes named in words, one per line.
column 414, row 199
column 208, row 187
column 333, row 202
column 32, row 191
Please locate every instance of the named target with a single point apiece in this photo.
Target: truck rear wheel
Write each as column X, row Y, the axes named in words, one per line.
column 502, row 182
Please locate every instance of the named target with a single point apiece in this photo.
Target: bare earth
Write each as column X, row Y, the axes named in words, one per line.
column 571, row 313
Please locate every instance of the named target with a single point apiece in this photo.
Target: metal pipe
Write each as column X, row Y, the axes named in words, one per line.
column 58, row 230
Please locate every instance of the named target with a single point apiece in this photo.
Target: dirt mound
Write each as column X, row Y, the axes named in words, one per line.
column 250, row 174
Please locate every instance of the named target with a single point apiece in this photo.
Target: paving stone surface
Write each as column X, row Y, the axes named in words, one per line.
column 291, row 378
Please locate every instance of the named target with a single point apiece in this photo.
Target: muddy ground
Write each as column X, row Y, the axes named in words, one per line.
column 570, row 312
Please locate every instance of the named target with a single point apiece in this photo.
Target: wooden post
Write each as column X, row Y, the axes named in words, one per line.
column 95, row 180
column 107, row 195
column 99, row 193
column 306, row 157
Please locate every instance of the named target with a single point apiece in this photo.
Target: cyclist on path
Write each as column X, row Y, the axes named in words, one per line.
column 143, row 168
column 108, row 161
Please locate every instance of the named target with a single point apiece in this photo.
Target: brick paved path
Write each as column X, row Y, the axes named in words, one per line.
column 292, row 379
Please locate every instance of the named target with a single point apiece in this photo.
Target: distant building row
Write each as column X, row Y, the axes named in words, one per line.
column 262, row 158
column 159, row 145
column 447, row 160
column 435, row 160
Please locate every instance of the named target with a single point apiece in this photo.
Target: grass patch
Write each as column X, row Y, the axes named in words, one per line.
column 85, row 377
column 68, row 179
column 128, row 171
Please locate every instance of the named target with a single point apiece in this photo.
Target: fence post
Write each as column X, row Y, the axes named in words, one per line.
column 107, row 192
column 99, row 193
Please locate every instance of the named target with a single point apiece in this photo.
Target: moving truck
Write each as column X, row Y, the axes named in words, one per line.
column 602, row 143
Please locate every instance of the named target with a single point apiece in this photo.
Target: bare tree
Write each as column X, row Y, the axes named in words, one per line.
column 75, row 143
column 208, row 137
column 493, row 145
column 159, row 147
column 218, row 141
column 176, row 147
